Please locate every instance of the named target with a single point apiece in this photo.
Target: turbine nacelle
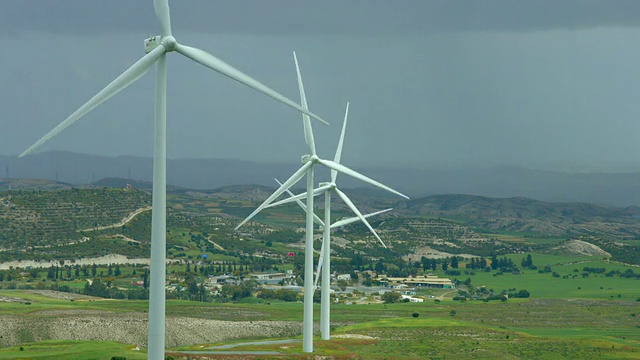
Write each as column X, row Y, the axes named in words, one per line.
column 169, row 43
column 151, row 43
column 331, row 185
column 309, row 158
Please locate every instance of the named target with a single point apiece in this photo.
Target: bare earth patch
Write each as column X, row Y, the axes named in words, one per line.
column 60, row 295
column 354, row 336
column 580, row 247
column 132, row 328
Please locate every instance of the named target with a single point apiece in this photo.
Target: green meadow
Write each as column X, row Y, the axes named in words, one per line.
column 568, row 316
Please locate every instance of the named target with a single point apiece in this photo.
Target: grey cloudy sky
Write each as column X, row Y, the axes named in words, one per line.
column 430, row 82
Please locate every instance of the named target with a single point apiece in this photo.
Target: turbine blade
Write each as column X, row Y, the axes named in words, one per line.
column 299, row 197
column 350, row 204
column 223, row 68
column 348, row 221
column 162, row 12
column 345, row 170
column 320, row 261
column 316, row 219
column 336, row 159
column 125, row 79
column 287, row 184
column 308, row 131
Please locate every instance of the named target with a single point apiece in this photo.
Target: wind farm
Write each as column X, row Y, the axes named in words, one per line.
column 309, row 160
column 156, row 231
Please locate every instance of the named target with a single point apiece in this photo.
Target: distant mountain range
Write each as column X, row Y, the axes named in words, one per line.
column 616, row 189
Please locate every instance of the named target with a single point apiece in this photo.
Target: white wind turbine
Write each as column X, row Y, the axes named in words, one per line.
column 325, row 251
column 309, row 161
column 157, row 47
column 328, row 188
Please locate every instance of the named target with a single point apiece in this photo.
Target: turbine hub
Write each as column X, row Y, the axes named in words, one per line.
column 169, row 43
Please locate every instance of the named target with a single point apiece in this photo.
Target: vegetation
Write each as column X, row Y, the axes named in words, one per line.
column 510, row 296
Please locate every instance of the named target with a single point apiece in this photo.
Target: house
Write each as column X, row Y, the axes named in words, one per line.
column 345, row 277
column 412, row 299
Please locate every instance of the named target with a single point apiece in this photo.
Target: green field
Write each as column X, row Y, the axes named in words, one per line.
column 568, row 316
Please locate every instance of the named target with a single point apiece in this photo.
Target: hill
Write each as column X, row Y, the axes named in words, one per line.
column 528, row 215
column 596, row 187
column 80, row 222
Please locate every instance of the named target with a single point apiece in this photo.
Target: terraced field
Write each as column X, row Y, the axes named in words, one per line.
column 40, row 219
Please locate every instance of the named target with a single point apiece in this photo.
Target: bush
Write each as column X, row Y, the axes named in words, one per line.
column 391, row 297
column 118, row 358
column 415, row 314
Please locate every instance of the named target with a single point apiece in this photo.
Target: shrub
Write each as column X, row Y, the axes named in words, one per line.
column 415, row 314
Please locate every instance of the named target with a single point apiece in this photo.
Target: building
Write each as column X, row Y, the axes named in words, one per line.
column 419, row 281
column 412, row 299
column 270, row 278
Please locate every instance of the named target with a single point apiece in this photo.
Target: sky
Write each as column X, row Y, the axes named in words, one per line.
column 430, row 83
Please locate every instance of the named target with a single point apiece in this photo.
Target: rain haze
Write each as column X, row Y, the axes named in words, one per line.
column 431, row 83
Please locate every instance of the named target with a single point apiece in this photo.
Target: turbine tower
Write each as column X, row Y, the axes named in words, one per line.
column 156, row 49
column 325, row 252
column 328, row 188
column 309, row 160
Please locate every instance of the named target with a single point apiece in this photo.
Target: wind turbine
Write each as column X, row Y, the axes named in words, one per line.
column 156, row 48
column 309, row 160
column 326, row 225
column 325, row 252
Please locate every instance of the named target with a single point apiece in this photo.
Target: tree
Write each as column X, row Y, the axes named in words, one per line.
column 51, row 274
column 145, row 280
column 342, row 284
column 454, row 262
column 94, row 270
column 117, row 271
column 391, row 297
column 445, row 266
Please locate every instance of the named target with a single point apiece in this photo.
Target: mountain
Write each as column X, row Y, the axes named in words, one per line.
column 616, row 189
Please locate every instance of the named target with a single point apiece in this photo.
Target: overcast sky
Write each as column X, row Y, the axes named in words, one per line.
column 431, row 83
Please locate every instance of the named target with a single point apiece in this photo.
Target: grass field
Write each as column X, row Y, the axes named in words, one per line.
column 566, row 317
column 72, row 350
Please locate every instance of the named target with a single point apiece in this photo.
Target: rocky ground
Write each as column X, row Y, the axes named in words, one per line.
column 129, row 328
column 132, row 328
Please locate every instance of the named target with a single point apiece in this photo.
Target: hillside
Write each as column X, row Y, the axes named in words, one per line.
column 42, row 219
column 73, row 223
column 527, row 215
